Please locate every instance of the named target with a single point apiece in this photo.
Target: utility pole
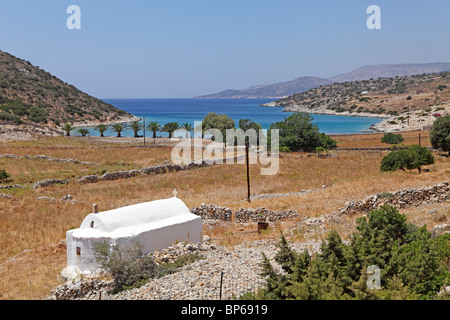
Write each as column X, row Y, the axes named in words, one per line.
column 248, row 171
column 143, row 120
column 419, row 140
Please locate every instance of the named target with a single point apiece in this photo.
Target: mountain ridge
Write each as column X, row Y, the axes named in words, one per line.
column 305, row 83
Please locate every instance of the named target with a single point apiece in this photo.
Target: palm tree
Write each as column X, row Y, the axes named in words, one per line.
column 83, row 132
column 153, row 127
column 170, row 127
column 119, row 127
column 67, row 128
column 102, row 129
column 188, row 127
column 136, row 126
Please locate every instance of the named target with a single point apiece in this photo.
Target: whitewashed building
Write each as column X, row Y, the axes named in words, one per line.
column 156, row 225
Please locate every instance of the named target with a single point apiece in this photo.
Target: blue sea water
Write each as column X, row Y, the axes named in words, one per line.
column 190, row 110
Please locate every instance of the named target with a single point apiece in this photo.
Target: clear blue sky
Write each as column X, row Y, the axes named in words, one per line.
column 180, row 48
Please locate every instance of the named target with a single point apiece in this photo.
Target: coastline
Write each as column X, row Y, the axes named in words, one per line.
column 412, row 121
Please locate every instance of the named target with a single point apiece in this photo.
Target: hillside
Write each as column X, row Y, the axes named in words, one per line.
column 272, row 91
column 284, row 89
column 391, row 70
column 30, row 95
column 394, row 98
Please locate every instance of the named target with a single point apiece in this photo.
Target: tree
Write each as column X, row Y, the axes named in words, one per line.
column 68, row 127
column 248, row 124
column 136, row 126
column 170, row 127
column 413, row 158
column 153, row 127
column 297, row 132
column 392, row 138
column 440, row 134
column 102, row 129
column 83, row 132
column 412, row 264
column 188, row 127
column 219, row 122
column 119, row 128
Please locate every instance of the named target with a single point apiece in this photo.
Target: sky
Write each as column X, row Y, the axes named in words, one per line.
column 180, row 49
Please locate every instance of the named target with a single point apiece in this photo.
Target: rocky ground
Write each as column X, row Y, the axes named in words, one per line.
column 238, row 267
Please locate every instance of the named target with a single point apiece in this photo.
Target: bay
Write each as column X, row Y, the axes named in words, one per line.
column 190, row 110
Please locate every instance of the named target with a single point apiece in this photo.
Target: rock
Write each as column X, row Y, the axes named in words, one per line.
column 440, row 230
column 48, row 182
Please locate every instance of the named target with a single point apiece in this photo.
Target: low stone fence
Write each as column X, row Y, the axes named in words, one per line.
column 400, row 199
column 46, row 158
column 213, row 212
column 48, row 182
column 159, row 169
column 242, row 215
column 263, row 214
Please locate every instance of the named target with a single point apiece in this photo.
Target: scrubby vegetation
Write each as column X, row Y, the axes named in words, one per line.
column 28, row 93
column 412, row 264
column 412, row 158
column 130, row 267
column 383, row 95
column 297, row 132
column 440, row 134
column 392, row 138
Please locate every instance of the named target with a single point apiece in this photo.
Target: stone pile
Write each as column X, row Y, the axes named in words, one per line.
column 15, row 186
column 400, row 199
column 242, row 215
column 213, row 212
column 48, row 182
column 83, row 289
column 263, row 214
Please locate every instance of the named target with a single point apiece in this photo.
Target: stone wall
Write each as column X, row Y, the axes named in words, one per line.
column 46, row 158
column 242, row 215
column 400, row 199
column 159, row 169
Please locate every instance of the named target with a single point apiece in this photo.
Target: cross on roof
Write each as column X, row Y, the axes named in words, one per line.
column 175, row 192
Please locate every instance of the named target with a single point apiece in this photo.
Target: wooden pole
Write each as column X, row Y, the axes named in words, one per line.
column 143, row 120
column 248, row 171
column 419, row 140
column 221, row 281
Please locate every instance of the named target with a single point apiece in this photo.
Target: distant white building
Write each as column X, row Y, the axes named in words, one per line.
column 365, row 92
column 156, row 225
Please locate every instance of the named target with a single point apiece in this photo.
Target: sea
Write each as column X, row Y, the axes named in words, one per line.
column 191, row 110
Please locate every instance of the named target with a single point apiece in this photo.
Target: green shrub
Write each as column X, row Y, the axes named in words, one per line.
column 412, row 264
column 440, row 134
column 392, row 138
column 128, row 267
column 4, row 175
column 413, row 158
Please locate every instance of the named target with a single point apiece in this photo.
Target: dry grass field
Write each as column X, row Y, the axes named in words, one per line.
column 31, row 229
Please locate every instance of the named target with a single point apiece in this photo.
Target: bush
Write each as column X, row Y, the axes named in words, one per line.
column 412, row 265
column 392, row 138
column 128, row 267
column 413, row 158
column 440, row 134
column 131, row 268
column 4, row 175
column 297, row 132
